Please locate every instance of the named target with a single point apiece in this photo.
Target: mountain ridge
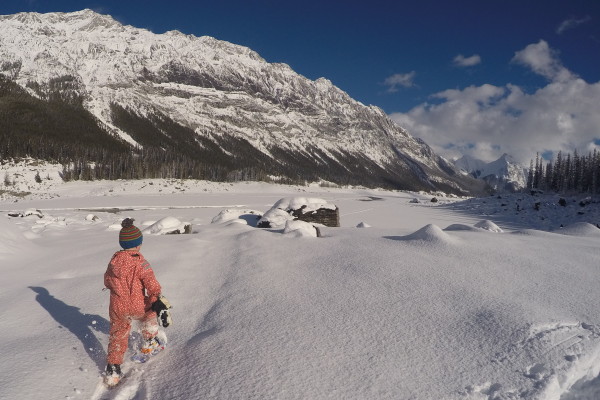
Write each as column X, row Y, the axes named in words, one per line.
column 218, row 92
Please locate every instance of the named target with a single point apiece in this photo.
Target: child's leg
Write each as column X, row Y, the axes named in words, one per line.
column 118, row 339
column 149, row 325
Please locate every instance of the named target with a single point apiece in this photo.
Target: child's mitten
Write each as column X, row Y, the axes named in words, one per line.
column 161, row 308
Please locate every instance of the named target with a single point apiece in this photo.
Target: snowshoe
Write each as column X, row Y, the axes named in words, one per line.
column 149, row 348
column 113, row 375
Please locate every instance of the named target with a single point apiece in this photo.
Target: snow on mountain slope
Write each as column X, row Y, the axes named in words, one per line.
column 211, row 86
column 469, row 164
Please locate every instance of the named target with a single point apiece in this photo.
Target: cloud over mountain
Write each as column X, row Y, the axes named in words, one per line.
column 486, row 121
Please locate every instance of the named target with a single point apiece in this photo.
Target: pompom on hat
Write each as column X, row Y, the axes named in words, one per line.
column 130, row 236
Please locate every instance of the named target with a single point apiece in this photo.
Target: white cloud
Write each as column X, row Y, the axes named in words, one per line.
column 462, row 61
column 543, row 60
column 572, row 23
column 486, row 121
column 404, row 80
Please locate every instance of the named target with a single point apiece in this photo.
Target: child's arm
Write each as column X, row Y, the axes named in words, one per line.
column 150, row 282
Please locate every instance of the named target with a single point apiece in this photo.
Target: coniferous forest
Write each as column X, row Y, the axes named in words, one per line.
column 54, row 126
column 566, row 173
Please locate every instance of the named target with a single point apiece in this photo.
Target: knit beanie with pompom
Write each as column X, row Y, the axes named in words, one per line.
column 130, row 236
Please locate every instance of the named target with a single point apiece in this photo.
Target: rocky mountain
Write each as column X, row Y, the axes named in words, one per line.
column 502, row 175
column 217, row 108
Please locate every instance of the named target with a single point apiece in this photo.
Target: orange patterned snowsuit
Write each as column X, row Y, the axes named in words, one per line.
column 133, row 289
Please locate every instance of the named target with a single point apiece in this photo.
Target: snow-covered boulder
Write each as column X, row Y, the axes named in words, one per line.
column 363, row 225
column 92, row 217
column 251, row 217
column 307, row 209
column 300, row 229
column 168, row 226
column 28, row 212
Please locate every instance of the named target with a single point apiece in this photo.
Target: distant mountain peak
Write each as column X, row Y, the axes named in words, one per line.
column 503, row 174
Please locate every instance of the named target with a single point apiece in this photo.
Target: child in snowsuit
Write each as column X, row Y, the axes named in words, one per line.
column 134, row 295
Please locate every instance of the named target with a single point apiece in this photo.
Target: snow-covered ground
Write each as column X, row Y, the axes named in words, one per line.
column 459, row 299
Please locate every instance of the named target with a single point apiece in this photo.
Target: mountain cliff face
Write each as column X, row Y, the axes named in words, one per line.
column 213, row 101
column 502, row 175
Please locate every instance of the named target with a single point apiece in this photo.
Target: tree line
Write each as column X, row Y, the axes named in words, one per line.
column 566, row 173
column 54, row 126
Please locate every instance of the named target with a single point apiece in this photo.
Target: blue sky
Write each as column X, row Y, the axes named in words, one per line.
column 469, row 77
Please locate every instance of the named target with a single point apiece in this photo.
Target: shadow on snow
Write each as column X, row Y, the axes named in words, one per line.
column 80, row 324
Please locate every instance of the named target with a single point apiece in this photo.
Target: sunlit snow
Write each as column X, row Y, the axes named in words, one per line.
column 442, row 300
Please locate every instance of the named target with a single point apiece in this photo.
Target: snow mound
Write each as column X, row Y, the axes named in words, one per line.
column 251, row 217
column 580, row 229
column 167, row 226
column 488, row 226
column 114, row 227
column 363, row 225
column 461, row 227
column 430, row 233
column 234, row 222
column 299, row 229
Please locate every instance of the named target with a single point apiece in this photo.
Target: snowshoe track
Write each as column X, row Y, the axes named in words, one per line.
column 562, row 357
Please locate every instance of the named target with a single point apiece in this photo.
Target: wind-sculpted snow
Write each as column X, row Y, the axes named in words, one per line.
column 12, row 240
column 488, row 225
column 580, row 229
column 251, row 217
column 400, row 310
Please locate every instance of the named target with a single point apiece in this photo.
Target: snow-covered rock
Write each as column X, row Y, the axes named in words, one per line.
column 167, row 226
column 292, row 208
column 92, row 217
column 27, row 213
